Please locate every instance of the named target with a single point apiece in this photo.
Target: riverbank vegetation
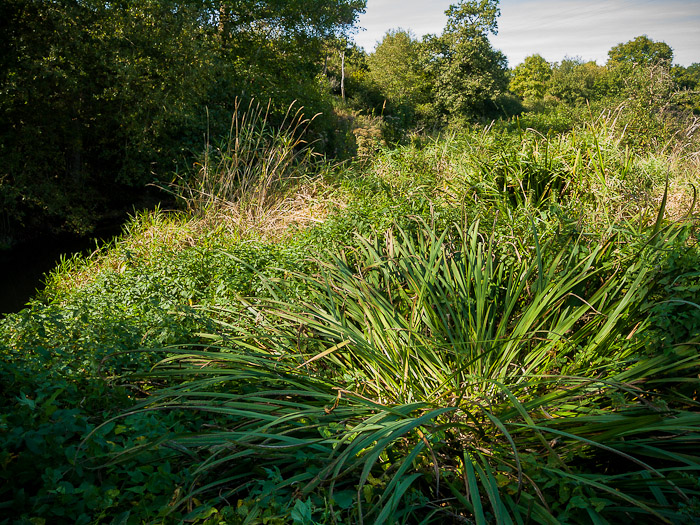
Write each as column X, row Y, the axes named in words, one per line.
column 496, row 322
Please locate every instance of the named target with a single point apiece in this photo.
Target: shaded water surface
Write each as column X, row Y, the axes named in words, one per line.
column 23, row 269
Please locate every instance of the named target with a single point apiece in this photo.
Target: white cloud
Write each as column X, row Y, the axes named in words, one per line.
column 554, row 28
column 589, row 29
column 419, row 16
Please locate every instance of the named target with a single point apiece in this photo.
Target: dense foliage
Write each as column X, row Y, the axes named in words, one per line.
column 454, row 77
column 498, row 324
column 638, row 72
column 101, row 97
column 492, row 326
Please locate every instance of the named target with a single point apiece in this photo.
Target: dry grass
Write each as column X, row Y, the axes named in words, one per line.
column 681, row 201
column 685, row 163
column 264, row 181
column 302, row 206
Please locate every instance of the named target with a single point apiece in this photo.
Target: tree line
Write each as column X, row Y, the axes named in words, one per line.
column 458, row 76
column 99, row 99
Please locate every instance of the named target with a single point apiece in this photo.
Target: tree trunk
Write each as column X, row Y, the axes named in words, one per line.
column 342, row 74
column 224, row 23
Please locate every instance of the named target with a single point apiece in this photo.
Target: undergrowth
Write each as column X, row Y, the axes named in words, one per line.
column 496, row 326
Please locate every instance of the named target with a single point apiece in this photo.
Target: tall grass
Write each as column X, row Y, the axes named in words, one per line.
column 259, row 176
column 589, row 176
column 496, row 358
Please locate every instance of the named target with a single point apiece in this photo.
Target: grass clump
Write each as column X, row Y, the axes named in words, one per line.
column 260, row 178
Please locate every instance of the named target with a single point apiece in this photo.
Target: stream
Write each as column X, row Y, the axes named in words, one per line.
column 23, row 268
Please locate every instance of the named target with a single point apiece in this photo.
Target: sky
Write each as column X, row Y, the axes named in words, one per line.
column 553, row 28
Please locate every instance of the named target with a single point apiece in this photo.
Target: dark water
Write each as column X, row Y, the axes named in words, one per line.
column 23, row 269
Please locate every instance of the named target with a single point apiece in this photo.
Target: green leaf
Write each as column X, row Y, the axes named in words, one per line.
column 301, row 513
column 344, row 498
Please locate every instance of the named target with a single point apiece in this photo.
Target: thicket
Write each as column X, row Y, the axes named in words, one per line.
column 99, row 99
column 662, row 100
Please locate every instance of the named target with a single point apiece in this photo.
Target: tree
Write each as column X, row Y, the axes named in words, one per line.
column 574, row 81
column 272, row 48
column 92, row 103
column 396, row 69
column 642, row 51
column 361, row 92
column 469, row 74
column 687, row 83
column 97, row 95
column 687, row 77
column 529, row 79
column 473, row 18
column 638, row 69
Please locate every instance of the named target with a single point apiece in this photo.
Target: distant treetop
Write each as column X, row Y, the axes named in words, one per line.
column 642, row 50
